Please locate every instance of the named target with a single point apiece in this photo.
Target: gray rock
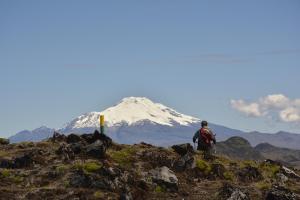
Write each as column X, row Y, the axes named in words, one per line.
column 289, row 173
column 76, row 147
column 23, row 161
column 184, row 162
column 58, row 137
column 281, row 178
column 66, row 152
column 96, row 149
column 238, row 195
column 165, row 177
column 80, row 180
column 126, row 196
column 73, row 138
column 230, row 192
column 5, row 163
column 281, row 193
column 249, row 173
column 183, row 149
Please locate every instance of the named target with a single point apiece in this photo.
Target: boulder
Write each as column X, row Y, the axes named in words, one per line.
column 66, row 152
column 249, row 173
column 126, row 196
column 218, row 170
column 89, row 138
column 290, row 173
column 4, row 141
column 165, row 177
column 23, row 162
column 4, row 163
column 281, row 193
column 107, row 141
column 96, row 149
column 79, row 179
column 110, row 171
column 104, row 184
column 230, row 192
column 183, row 149
column 76, row 147
column 73, row 138
column 184, row 162
column 281, row 179
column 57, row 137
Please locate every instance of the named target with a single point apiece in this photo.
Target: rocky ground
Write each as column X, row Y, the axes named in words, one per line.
column 91, row 166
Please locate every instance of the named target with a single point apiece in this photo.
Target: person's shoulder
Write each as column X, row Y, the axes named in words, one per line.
column 208, row 129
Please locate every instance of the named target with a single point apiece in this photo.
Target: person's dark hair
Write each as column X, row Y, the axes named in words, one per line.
column 204, row 123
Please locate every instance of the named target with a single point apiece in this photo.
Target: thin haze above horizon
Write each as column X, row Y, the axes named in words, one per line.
column 232, row 63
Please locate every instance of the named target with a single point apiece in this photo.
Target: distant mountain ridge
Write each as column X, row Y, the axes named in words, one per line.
column 35, row 135
column 238, row 148
column 284, row 155
column 137, row 119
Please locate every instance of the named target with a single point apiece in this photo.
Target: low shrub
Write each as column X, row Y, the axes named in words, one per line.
column 203, row 166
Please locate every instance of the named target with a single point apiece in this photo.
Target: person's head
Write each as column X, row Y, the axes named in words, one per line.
column 204, row 123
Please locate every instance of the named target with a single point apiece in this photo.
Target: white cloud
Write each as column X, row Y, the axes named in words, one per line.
column 251, row 109
column 290, row 114
column 275, row 106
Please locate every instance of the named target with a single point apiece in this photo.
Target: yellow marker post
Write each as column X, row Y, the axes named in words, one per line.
column 102, row 124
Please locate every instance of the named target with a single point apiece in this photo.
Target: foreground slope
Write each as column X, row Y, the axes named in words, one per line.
column 91, row 166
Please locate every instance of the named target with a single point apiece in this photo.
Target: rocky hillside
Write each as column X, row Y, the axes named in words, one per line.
column 238, row 148
column 284, row 155
column 92, row 166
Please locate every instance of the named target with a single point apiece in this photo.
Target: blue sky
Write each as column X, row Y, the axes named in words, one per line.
column 59, row 59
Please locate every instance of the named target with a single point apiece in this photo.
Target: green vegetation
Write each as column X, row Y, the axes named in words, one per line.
column 98, row 194
column 159, row 189
column 247, row 163
column 203, row 166
column 5, row 173
column 263, row 185
column 269, row 170
column 123, row 157
column 89, row 167
column 228, row 175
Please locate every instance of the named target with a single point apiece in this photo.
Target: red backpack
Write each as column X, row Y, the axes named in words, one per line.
column 206, row 135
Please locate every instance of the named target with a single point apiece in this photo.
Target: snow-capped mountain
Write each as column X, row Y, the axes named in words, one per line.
column 137, row 119
column 131, row 111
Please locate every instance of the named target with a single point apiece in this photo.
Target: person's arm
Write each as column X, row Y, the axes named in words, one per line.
column 212, row 136
column 196, row 136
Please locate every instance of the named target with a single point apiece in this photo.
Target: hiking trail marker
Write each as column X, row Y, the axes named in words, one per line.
column 102, row 124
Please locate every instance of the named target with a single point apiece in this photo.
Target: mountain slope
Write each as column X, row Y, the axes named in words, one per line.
column 131, row 111
column 35, row 135
column 284, row 155
column 238, row 148
column 280, row 139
